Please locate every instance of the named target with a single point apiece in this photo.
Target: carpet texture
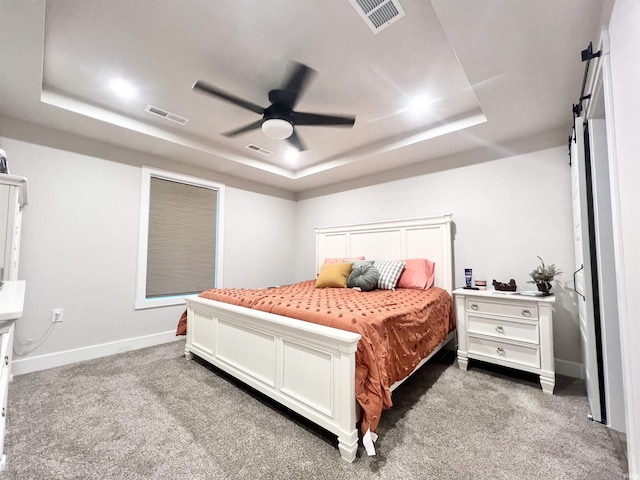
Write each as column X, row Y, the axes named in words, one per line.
column 152, row 414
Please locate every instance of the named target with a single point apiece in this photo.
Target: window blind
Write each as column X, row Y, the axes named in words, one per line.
column 181, row 248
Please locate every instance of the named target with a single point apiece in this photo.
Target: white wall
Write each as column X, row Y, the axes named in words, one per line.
column 80, row 238
column 79, row 249
column 259, row 240
column 624, row 35
column 506, row 213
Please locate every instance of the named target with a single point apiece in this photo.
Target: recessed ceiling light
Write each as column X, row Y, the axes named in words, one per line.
column 291, row 156
column 419, row 104
column 122, row 88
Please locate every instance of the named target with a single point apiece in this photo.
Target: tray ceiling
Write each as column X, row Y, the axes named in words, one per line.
column 445, row 77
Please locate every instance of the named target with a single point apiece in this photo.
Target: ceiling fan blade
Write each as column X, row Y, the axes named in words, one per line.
column 302, row 118
column 297, row 142
column 246, row 128
column 216, row 92
column 297, row 80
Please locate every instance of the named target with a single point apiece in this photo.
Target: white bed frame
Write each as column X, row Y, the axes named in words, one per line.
column 306, row 367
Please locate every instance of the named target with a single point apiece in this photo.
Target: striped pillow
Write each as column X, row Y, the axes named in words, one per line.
column 390, row 272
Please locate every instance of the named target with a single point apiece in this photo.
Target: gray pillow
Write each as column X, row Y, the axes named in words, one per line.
column 359, row 262
column 365, row 276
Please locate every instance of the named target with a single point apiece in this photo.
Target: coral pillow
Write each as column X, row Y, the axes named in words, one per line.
column 418, row 273
column 334, row 275
column 331, row 261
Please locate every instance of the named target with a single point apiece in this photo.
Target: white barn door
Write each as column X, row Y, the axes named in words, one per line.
column 583, row 271
column 606, row 277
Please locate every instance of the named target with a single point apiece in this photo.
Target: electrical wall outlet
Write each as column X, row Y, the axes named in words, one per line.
column 56, row 315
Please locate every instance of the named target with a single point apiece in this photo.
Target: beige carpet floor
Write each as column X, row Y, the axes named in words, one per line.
column 152, row 414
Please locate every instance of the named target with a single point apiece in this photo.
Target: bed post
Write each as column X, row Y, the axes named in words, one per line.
column 348, row 436
column 187, row 352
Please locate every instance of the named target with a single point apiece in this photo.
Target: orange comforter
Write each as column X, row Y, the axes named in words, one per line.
column 398, row 328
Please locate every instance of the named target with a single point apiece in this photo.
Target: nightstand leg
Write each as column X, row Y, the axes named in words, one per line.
column 548, row 383
column 463, row 363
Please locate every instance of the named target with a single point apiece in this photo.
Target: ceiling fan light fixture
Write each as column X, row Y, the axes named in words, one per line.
column 279, row 119
column 277, row 128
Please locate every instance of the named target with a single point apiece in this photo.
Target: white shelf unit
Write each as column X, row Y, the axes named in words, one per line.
column 13, row 198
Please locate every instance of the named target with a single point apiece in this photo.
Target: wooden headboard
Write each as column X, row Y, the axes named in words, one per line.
column 429, row 237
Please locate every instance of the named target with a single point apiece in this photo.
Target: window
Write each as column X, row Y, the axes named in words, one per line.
column 180, row 246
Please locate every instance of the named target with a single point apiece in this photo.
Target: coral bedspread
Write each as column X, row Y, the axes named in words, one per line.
column 398, row 328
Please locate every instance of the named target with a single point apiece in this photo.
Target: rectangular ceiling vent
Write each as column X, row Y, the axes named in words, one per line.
column 378, row 14
column 258, row 149
column 166, row 115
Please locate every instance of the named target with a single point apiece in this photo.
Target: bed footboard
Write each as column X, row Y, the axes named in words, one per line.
column 306, row 367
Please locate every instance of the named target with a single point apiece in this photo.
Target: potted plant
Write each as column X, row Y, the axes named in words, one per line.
column 543, row 275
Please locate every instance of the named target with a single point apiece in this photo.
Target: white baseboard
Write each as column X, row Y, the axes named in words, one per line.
column 569, row 369
column 51, row 360
column 57, row 359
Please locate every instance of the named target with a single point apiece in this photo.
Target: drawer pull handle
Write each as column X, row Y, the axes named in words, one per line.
column 6, row 359
column 474, row 306
column 500, row 329
column 526, row 312
column 3, row 412
column 500, row 351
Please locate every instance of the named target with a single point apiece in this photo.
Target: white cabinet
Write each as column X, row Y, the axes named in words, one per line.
column 13, row 197
column 5, row 341
column 514, row 331
column 11, row 305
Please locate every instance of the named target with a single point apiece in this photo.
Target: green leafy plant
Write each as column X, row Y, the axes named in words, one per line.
column 543, row 275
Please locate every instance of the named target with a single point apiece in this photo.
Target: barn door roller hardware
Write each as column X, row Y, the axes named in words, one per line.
column 587, row 55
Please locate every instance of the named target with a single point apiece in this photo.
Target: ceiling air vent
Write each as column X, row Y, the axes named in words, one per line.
column 258, row 149
column 166, row 115
column 378, row 14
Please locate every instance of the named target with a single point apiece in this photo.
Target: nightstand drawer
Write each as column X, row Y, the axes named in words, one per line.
column 503, row 328
column 506, row 352
column 510, row 309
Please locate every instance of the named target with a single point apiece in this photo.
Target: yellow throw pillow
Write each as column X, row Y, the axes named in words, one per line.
column 334, row 275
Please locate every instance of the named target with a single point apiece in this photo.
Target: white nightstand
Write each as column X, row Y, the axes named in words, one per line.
column 510, row 330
